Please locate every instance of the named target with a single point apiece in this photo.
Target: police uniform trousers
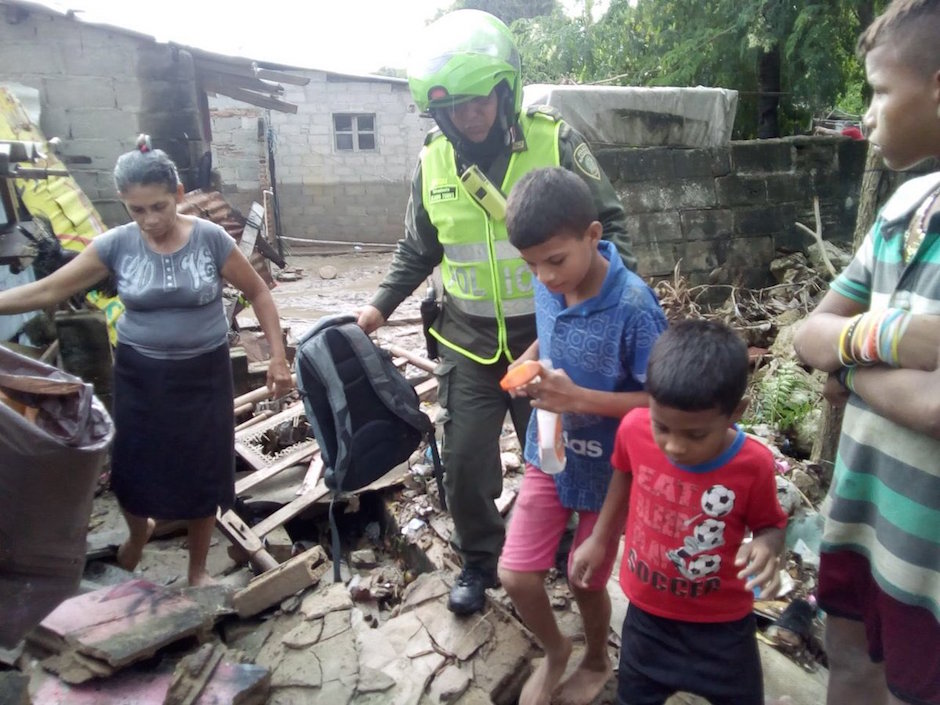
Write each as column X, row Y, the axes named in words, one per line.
column 474, row 410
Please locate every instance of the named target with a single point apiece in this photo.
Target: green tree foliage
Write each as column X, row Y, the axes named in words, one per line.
column 800, row 53
column 507, row 10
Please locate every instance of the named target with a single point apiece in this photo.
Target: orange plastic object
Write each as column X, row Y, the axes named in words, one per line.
column 523, row 374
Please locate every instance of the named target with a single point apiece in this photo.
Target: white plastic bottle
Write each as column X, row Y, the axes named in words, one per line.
column 551, row 439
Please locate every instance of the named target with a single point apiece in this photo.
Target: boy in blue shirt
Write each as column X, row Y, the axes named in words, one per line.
column 596, row 323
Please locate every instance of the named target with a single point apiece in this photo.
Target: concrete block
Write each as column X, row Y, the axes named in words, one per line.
column 763, row 220
column 810, row 153
column 761, row 156
column 656, row 259
column 796, row 187
column 696, row 163
column 737, row 190
column 94, row 122
column 694, row 193
column 19, row 56
column 642, row 164
column 645, row 196
column 654, row 227
column 706, row 224
column 59, row 92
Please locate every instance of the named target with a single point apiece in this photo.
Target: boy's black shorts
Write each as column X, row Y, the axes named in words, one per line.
column 718, row 661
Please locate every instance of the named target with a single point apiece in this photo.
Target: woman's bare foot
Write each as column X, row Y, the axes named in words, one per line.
column 129, row 553
column 541, row 684
column 201, row 580
column 584, row 684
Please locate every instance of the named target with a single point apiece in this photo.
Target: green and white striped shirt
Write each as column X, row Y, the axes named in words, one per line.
column 885, row 497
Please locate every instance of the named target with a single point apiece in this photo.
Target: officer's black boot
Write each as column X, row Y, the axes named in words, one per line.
column 468, row 593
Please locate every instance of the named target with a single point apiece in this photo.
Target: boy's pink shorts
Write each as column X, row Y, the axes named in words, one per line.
column 536, row 525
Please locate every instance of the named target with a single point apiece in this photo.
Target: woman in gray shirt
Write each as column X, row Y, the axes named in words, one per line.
column 173, row 455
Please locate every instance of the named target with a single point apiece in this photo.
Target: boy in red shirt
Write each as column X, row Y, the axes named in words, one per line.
column 691, row 487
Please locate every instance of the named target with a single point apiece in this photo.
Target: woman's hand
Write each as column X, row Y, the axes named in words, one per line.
column 279, row 378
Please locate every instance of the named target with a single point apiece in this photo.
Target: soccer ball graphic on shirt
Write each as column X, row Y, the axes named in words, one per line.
column 717, row 501
column 708, row 535
column 701, row 566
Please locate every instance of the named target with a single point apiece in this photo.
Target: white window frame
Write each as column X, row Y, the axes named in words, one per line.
column 354, row 132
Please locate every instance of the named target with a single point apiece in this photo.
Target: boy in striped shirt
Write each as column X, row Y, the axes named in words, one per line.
column 877, row 332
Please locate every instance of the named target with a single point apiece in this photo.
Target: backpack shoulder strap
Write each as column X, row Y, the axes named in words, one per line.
column 376, row 371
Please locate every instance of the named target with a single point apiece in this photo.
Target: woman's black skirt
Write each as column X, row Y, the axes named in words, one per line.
column 174, row 434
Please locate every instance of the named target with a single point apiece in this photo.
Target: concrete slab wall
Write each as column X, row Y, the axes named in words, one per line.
column 323, row 193
column 99, row 88
column 725, row 213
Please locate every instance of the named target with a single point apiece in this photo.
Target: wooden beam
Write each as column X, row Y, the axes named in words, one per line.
column 245, row 67
column 233, row 80
column 289, row 511
column 256, row 478
column 281, row 77
column 294, row 575
column 252, row 98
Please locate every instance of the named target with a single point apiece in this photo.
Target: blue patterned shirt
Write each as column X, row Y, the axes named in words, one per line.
column 603, row 343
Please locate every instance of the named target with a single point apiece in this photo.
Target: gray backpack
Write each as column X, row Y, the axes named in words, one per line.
column 363, row 412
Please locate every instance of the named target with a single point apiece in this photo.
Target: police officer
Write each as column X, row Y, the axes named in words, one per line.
column 468, row 78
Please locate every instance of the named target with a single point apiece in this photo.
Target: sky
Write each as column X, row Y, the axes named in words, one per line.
column 355, row 36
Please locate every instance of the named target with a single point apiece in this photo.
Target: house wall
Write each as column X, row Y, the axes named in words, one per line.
column 100, row 88
column 323, row 193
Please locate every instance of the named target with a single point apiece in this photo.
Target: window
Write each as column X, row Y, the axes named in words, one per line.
column 354, row 132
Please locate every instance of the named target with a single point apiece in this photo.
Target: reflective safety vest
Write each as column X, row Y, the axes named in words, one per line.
column 482, row 273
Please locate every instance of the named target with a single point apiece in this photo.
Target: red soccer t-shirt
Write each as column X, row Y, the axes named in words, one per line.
column 685, row 525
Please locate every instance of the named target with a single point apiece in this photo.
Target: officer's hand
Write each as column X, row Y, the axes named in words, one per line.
column 370, row 318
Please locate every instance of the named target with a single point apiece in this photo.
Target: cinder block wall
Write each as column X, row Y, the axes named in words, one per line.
column 723, row 214
column 98, row 89
column 323, row 193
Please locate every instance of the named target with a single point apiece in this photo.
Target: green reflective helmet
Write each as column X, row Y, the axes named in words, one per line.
column 463, row 55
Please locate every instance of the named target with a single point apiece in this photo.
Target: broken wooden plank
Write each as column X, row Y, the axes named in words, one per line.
column 289, row 511
column 267, row 589
column 296, row 456
column 422, row 363
column 192, row 674
column 258, row 394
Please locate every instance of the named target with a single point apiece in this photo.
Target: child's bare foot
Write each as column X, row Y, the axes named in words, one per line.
column 129, row 553
column 541, row 684
column 584, row 684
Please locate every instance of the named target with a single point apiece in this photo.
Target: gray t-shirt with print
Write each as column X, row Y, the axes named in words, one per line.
column 173, row 303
